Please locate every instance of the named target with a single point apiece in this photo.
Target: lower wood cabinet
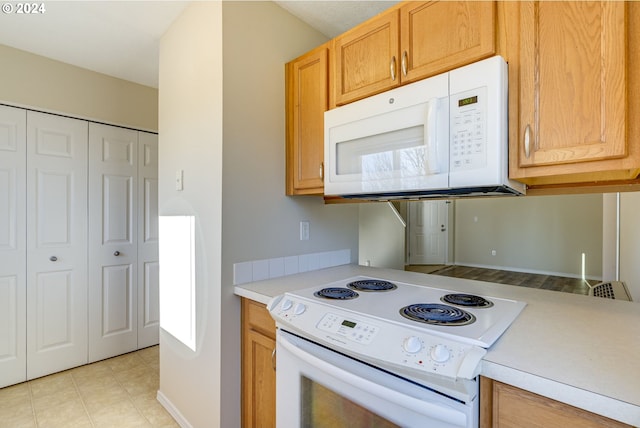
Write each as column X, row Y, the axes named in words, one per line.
column 258, row 366
column 506, row 406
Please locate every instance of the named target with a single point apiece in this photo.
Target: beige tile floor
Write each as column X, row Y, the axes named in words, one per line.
column 116, row 393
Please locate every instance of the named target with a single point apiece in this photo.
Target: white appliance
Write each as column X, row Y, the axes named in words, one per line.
column 443, row 136
column 365, row 350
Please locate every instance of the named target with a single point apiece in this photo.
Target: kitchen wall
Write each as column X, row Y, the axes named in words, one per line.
column 545, row 234
column 190, row 139
column 222, row 121
column 538, row 234
column 34, row 81
column 630, row 243
column 381, row 235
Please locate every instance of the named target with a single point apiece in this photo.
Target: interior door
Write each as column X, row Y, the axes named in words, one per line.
column 13, row 253
column 148, row 272
column 113, row 192
column 428, row 236
column 56, row 243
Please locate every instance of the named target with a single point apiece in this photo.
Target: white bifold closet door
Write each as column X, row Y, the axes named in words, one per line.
column 56, row 243
column 13, row 246
column 148, row 272
column 113, row 200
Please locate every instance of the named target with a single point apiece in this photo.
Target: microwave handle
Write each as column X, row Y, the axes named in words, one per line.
column 431, row 136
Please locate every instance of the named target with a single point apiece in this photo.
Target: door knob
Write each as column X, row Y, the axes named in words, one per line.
column 117, row 253
column 53, row 258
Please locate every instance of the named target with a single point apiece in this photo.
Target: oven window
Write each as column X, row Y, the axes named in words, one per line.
column 322, row 407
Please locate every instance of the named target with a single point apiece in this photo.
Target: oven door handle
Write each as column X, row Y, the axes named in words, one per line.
column 439, row 410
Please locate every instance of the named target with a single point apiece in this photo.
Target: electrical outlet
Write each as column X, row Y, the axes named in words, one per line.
column 494, row 252
column 304, row 230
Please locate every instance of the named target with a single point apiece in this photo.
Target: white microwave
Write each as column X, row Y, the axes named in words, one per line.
column 439, row 137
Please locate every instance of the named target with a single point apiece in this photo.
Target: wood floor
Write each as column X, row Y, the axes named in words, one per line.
column 545, row 282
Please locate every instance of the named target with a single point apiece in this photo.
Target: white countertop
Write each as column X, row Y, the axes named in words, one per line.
column 580, row 350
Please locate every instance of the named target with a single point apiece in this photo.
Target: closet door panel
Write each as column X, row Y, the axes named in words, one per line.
column 56, row 243
column 13, row 368
column 148, row 266
column 113, row 154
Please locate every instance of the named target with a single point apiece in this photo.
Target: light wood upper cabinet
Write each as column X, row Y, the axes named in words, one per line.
column 439, row 36
column 307, row 100
column 365, row 58
column 569, row 82
column 410, row 42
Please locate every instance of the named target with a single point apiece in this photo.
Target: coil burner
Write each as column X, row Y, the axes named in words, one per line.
column 468, row 300
column 437, row 314
column 372, row 285
column 336, row 293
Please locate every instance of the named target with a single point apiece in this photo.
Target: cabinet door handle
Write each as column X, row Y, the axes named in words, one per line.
column 405, row 59
column 53, row 258
column 392, row 68
column 321, row 171
column 527, row 141
column 273, row 359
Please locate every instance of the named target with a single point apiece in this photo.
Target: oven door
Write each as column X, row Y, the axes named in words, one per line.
column 317, row 387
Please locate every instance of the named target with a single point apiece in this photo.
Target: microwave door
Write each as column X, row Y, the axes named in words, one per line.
column 404, row 150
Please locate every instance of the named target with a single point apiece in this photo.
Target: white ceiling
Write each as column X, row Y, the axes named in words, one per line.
column 332, row 18
column 121, row 38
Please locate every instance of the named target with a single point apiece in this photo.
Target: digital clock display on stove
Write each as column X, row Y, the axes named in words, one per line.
column 349, row 324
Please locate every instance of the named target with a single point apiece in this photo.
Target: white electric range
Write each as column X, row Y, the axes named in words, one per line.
column 428, row 337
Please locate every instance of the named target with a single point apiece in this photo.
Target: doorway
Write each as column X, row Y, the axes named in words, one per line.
column 428, row 233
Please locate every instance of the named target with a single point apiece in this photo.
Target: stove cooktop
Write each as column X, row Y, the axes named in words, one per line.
column 477, row 320
column 391, row 325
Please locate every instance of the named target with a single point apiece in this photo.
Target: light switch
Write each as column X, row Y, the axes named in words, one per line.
column 179, row 177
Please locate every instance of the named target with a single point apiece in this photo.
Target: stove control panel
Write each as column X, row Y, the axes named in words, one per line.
column 353, row 330
column 378, row 341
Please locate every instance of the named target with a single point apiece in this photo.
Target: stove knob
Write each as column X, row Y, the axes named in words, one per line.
column 440, row 354
column 299, row 309
column 286, row 304
column 412, row 345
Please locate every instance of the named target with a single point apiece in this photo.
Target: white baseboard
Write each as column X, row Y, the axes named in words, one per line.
column 173, row 411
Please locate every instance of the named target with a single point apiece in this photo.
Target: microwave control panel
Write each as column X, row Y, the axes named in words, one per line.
column 468, row 130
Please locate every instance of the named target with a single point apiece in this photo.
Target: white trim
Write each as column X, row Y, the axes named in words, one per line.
column 173, row 410
column 74, row 116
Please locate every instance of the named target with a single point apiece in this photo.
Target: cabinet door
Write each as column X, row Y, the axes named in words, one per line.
column 258, row 366
column 13, row 253
column 439, row 36
column 515, row 408
column 112, row 241
column 56, row 243
column 307, row 100
column 365, row 59
column 572, row 88
column 148, row 279
column 260, row 388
